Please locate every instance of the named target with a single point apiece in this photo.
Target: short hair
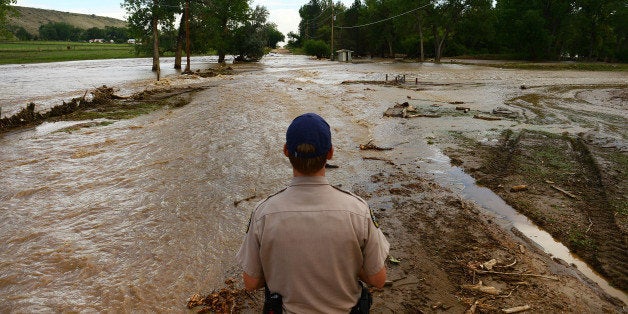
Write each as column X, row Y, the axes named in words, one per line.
column 310, row 165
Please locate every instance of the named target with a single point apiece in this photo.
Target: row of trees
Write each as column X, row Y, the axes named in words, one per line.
column 224, row 26
column 66, row 32
column 525, row 29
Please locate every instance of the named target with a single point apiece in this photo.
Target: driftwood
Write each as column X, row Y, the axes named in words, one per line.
column 564, row 192
column 388, row 161
column 489, row 265
column 517, row 309
column 473, row 308
column 485, row 117
column 235, row 203
column 421, row 115
column 371, row 146
column 519, row 188
column 481, row 272
column 507, row 266
column 482, row 288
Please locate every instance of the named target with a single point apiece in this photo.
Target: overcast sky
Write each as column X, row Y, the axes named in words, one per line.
column 284, row 13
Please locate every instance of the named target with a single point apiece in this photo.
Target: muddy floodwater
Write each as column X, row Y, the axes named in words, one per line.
column 140, row 214
column 46, row 83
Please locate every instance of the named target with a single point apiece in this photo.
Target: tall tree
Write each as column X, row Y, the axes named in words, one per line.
column 474, row 32
column 522, row 27
column 313, row 15
column 594, row 24
column 353, row 36
column 444, row 17
column 251, row 36
column 145, row 17
column 221, row 18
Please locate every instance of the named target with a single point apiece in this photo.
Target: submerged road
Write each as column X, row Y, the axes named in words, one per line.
column 141, row 214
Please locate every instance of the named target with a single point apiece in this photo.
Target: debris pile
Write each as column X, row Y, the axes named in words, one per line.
column 405, row 110
column 501, row 111
column 27, row 116
column 498, row 273
column 226, row 300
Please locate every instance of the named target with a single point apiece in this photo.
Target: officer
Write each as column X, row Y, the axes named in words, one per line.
column 311, row 243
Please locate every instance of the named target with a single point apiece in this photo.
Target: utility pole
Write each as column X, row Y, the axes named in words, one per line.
column 332, row 30
column 187, row 35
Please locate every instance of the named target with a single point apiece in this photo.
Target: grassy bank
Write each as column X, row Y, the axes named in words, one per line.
column 551, row 66
column 20, row 52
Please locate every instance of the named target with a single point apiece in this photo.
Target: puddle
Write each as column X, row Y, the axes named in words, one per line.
column 456, row 179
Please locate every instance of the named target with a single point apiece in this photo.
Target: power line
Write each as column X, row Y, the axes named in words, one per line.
column 323, row 11
column 384, row 20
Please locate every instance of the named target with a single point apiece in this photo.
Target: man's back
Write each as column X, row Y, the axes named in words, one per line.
column 311, row 242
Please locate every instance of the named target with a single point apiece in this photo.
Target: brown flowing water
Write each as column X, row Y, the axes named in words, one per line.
column 140, row 214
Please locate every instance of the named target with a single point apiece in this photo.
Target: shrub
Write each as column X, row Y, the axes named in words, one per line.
column 316, row 48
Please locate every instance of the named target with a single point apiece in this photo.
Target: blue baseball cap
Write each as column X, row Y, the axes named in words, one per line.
column 308, row 128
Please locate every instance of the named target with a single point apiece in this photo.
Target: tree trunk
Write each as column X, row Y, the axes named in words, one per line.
column 187, row 37
column 156, row 46
column 221, row 51
column 439, row 43
column 421, row 49
column 436, row 45
column 177, row 53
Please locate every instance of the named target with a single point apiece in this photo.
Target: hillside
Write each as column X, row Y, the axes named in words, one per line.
column 32, row 18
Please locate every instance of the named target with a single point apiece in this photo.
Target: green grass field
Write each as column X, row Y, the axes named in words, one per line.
column 19, row 52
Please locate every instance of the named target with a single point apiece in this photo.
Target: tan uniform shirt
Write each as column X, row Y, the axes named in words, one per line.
column 309, row 242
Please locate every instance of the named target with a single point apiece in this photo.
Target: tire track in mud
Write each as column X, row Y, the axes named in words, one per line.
column 612, row 252
column 588, row 225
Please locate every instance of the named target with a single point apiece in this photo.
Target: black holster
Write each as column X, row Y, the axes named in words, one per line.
column 364, row 303
column 273, row 304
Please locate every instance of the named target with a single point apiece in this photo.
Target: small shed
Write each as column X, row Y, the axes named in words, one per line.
column 344, row 55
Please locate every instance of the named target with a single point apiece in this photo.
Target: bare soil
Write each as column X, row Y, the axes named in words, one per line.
column 573, row 190
column 440, row 243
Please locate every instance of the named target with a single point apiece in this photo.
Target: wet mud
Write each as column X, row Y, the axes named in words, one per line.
column 575, row 186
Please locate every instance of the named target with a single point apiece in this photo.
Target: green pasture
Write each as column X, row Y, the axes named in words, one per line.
column 19, row 52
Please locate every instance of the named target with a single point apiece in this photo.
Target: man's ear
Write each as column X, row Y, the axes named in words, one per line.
column 330, row 153
column 285, row 150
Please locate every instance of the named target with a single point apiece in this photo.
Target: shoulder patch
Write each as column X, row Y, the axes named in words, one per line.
column 248, row 226
column 351, row 193
column 374, row 219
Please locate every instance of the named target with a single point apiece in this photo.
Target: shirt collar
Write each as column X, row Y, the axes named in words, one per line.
column 309, row 180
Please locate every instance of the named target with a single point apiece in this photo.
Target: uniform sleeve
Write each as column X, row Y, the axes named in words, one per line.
column 375, row 249
column 248, row 257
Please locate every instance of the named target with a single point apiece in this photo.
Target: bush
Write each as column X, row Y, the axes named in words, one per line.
column 316, row 48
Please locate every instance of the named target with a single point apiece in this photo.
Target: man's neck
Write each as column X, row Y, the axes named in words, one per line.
column 319, row 173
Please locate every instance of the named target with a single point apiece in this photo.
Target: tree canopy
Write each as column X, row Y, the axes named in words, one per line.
column 5, row 9
column 524, row 29
column 221, row 26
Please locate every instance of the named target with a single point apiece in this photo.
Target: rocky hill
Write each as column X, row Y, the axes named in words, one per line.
column 32, row 18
